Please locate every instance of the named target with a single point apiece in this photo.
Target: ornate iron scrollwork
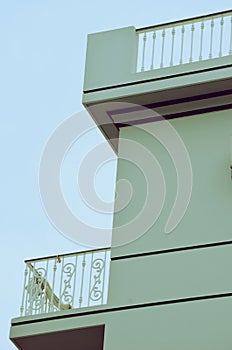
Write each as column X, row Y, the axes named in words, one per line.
column 96, row 293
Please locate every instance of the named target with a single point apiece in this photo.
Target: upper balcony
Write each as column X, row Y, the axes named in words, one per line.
column 175, row 68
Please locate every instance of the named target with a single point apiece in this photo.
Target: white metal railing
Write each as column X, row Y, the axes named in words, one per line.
column 65, row 282
column 186, row 41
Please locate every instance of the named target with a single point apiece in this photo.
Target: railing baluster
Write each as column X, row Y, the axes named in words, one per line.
column 182, row 44
column 162, row 51
column 191, row 45
column 31, row 289
column 221, row 36
column 43, row 298
column 211, row 38
column 103, row 279
column 172, row 51
column 82, row 281
column 201, row 43
column 23, row 306
column 61, row 282
column 74, row 283
column 51, row 305
column 45, row 287
column 90, row 278
column 230, row 50
column 28, row 295
column 153, row 49
column 144, row 50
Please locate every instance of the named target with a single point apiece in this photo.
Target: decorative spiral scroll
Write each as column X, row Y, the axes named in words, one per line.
column 96, row 293
column 68, row 269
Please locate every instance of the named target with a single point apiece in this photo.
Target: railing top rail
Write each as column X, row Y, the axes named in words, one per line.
column 184, row 21
column 66, row 255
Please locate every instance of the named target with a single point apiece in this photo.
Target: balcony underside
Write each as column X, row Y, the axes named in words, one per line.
column 88, row 338
column 175, row 92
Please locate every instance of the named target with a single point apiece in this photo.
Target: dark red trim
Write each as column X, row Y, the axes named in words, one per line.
column 187, row 113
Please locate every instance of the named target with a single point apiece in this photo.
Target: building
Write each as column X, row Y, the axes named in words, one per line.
column 161, row 93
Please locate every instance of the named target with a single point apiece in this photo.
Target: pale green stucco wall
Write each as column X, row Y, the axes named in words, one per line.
column 171, row 276
column 188, row 326
column 208, row 217
column 111, row 57
column 195, row 325
column 182, row 274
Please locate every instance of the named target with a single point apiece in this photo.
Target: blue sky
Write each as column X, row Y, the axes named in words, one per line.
column 42, row 60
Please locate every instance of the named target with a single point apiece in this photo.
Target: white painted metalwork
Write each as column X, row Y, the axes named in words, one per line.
column 211, row 38
column 230, row 51
column 24, row 294
column 182, row 42
column 192, row 38
column 162, row 52
column 153, row 49
column 173, row 42
column 144, row 50
column 221, row 36
column 202, row 36
column 65, row 282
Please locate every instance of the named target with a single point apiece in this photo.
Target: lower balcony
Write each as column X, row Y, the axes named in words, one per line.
column 60, row 288
column 176, row 299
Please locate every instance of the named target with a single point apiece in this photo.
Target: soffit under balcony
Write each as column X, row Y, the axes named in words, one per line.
column 89, row 338
column 168, row 93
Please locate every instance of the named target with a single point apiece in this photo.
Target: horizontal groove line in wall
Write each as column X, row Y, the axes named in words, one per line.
column 173, row 250
column 125, row 308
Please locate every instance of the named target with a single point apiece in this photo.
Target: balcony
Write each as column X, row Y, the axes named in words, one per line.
column 57, row 287
column 192, row 40
column 175, row 69
column 65, row 282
